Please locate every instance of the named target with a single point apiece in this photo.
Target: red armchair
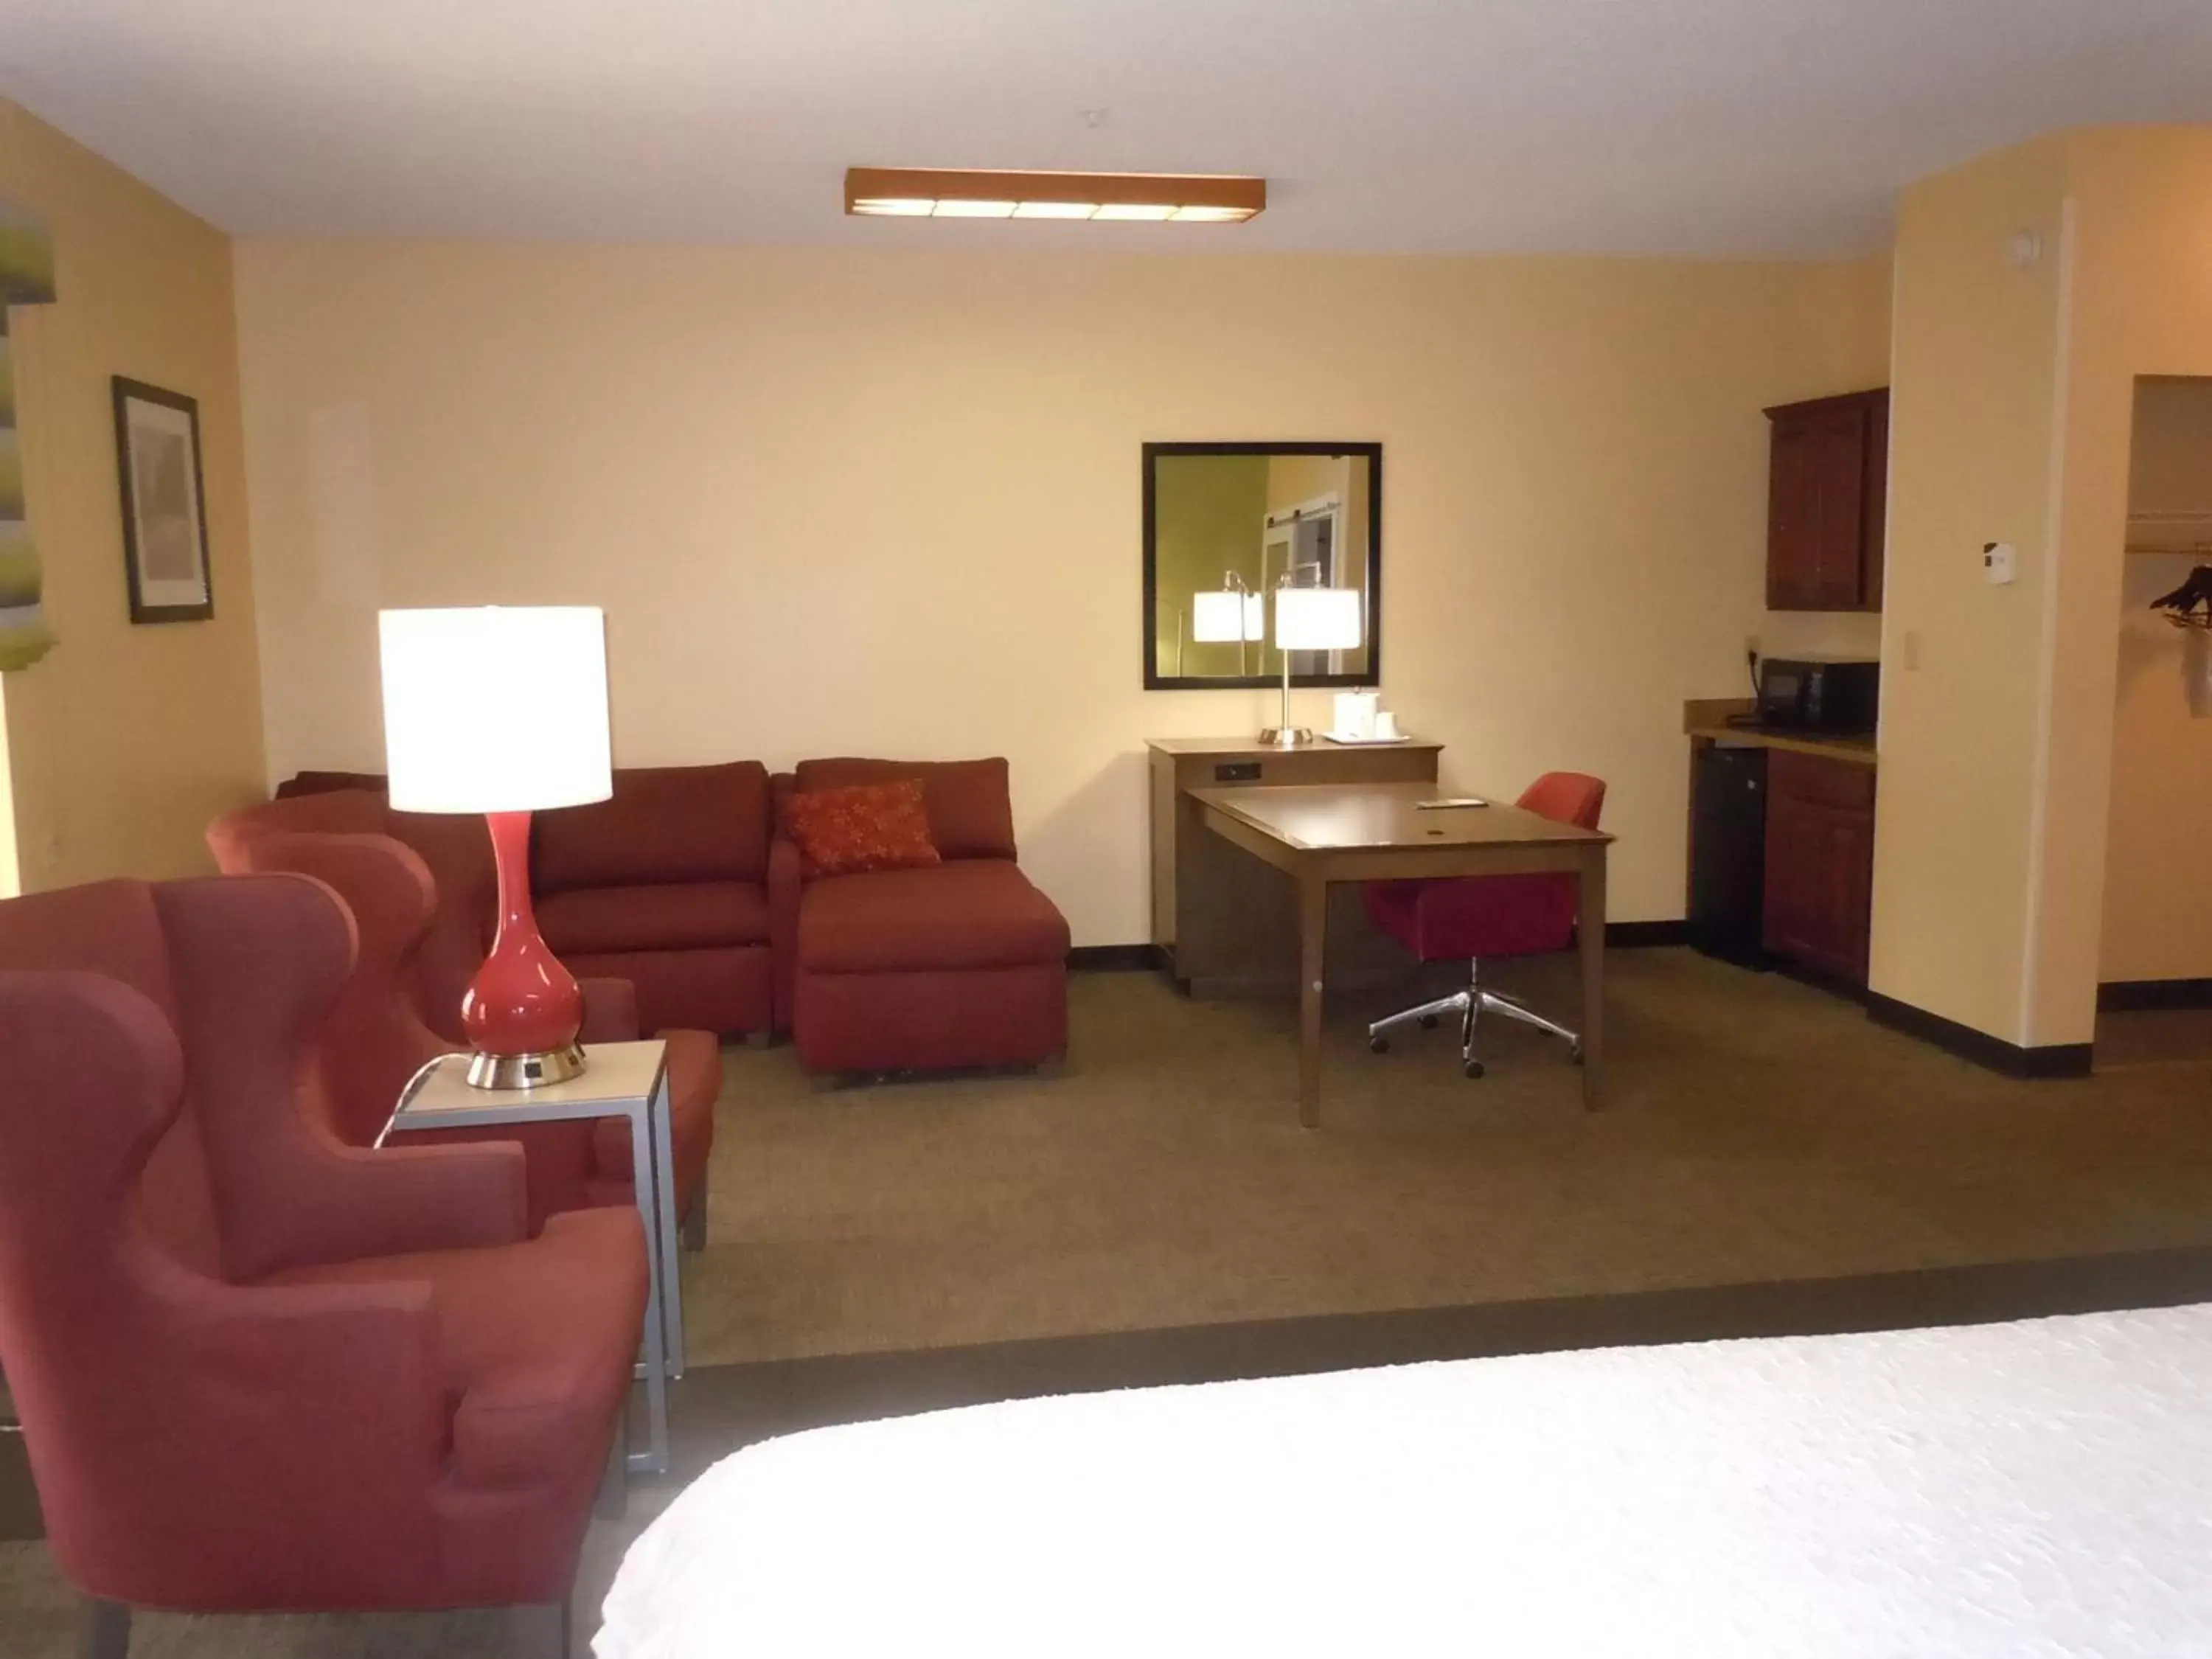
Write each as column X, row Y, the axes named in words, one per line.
column 421, row 911
column 258, row 1369
column 1474, row 917
column 964, row 965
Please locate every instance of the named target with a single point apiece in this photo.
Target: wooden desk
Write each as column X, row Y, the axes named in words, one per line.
column 1323, row 834
column 1228, row 927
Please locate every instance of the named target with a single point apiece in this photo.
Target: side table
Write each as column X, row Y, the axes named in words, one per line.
column 622, row 1079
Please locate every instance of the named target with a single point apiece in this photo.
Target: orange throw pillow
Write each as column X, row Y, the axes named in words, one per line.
column 868, row 826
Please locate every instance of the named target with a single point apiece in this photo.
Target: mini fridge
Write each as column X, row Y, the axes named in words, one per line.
column 1727, row 853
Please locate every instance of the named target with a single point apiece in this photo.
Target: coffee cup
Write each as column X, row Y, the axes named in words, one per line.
column 1386, row 726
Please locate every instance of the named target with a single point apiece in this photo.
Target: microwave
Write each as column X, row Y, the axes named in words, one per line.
column 1819, row 694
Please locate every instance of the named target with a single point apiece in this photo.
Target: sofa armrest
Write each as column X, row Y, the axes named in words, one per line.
column 785, row 886
column 609, row 1010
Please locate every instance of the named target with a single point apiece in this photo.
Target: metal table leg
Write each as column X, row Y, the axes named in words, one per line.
column 654, row 1459
column 672, row 1258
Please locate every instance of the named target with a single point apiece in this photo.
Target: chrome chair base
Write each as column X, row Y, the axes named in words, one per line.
column 1470, row 1005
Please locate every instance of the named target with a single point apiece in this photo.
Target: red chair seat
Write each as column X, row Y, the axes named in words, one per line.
column 1473, row 917
column 696, row 916
column 965, row 914
column 1479, row 916
column 535, row 1340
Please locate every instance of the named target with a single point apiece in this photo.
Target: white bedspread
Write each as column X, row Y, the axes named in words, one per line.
column 2003, row 1491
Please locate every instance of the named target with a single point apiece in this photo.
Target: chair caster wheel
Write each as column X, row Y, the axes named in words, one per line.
column 1378, row 1045
column 1472, row 1068
column 1428, row 1022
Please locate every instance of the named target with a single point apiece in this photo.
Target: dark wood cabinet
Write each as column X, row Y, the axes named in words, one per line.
column 1820, row 862
column 1827, row 487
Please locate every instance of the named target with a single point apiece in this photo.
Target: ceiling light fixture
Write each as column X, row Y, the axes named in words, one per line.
column 922, row 193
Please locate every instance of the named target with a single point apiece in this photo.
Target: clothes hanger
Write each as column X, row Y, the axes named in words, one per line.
column 2189, row 606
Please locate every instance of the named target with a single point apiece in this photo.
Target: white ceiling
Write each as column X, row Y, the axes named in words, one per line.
column 1701, row 127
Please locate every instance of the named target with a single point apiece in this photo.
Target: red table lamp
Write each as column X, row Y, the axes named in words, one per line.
column 503, row 712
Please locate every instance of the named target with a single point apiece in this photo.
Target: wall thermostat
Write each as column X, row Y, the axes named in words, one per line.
column 2000, row 563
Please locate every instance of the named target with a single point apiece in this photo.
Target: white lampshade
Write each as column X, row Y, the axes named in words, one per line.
column 1316, row 618
column 1225, row 616
column 496, row 709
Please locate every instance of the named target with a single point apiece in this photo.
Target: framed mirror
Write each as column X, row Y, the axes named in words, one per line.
column 1238, row 520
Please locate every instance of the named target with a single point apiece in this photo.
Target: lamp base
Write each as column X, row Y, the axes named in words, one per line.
column 526, row 1070
column 1286, row 736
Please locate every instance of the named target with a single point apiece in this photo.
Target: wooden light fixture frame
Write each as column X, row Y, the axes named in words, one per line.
column 1245, row 197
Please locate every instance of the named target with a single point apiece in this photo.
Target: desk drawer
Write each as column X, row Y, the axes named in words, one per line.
column 1330, row 765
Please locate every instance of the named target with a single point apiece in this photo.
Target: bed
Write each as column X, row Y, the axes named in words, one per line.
column 2012, row 1491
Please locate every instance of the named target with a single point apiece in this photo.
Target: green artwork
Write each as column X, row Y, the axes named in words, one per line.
column 26, row 277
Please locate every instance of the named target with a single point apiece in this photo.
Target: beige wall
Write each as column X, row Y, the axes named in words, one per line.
column 838, row 500
column 125, row 740
column 2157, row 884
column 1973, row 384
column 2143, row 304
column 2014, row 391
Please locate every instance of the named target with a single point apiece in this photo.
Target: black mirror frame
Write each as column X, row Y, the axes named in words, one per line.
column 1372, row 676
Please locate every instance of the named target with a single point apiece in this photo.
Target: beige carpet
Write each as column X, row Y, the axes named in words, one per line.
column 1757, row 1130
column 2155, row 1036
column 38, row 1615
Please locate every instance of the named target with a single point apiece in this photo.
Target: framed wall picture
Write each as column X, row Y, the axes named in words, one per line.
column 165, row 551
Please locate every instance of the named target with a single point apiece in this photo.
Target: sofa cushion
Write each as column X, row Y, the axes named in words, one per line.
column 691, row 915
column 971, row 813
column 663, row 823
column 861, row 827
column 981, row 913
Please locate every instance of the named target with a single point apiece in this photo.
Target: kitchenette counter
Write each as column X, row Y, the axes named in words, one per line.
column 1707, row 719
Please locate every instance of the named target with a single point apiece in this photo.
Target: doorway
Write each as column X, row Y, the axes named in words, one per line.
column 2155, row 957
column 1301, row 541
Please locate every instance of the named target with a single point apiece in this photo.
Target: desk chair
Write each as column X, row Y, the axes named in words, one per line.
column 1477, row 916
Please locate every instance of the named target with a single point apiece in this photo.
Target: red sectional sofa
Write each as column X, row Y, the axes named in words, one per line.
column 961, row 964
column 684, row 884
column 665, row 885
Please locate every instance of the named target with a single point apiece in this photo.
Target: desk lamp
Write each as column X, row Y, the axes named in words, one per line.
column 1309, row 619
column 503, row 712
column 1234, row 613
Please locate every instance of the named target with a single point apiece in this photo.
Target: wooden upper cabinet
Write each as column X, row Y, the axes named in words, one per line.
column 1827, row 487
